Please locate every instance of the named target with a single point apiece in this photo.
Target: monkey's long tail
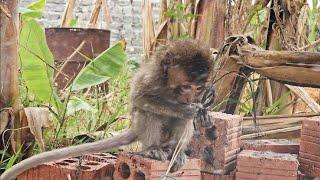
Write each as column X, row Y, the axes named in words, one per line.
column 123, row 138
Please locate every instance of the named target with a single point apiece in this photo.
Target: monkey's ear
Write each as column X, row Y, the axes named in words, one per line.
column 168, row 58
column 166, row 62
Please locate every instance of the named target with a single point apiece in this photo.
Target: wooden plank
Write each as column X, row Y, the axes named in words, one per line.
column 301, row 93
column 288, row 127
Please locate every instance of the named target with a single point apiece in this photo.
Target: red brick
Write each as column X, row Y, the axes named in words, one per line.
column 309, row 156
column 310, row 132
column 101, row 157
column 259, row 170
column 310, row 148
column 301, row 176
column 43, row 171
column 223, row 139
column 310, row 139
column 226, row 169
column 209, row 176
column 107, row 159
column 226, row 120
column 152, row 169
column 309, row 161
column 263, row 176
column 67, row 168
column 309, row 170
column 312, row 123
column 274, row 145
column 267, row 159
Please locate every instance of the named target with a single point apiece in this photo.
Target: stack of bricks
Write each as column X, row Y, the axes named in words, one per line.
column 309, row 155
column 97, row 167
column 134, row 167
column 274, row 145
column 266, row 165
column 217, row 146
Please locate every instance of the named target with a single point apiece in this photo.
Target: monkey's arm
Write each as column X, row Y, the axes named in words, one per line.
column 158, row 105
column 123, row 138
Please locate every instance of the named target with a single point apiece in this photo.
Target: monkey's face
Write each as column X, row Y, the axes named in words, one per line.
column 186, row 91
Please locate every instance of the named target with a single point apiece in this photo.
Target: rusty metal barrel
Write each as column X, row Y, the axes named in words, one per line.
column 63, row 42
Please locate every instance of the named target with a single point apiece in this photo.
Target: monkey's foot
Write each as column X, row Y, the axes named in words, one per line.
column 157, row 154
column 179, row 162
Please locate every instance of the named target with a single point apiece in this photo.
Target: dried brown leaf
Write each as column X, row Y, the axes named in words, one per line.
column 37, row 119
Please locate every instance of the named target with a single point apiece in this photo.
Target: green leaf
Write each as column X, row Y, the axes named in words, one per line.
column 37, row 62
column 34, row 10
column 38, row 5
column 73, row 22
column 275, row 106
column 75, row 104
column 13, row 159
column 28, row 13
column 107, row 65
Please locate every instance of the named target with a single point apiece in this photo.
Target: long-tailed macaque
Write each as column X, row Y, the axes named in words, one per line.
column 162, row 107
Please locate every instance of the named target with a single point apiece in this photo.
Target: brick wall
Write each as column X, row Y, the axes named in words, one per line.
column 126, row 19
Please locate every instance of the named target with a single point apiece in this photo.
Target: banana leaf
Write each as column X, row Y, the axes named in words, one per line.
column 37, row 62
column 107, row 65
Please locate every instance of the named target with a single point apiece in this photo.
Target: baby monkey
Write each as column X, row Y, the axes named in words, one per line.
column 163, row 103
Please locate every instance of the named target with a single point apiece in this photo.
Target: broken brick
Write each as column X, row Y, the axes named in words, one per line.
column 310, row 148
column 133, row 167
column 274, row 145
column 267, row 159
column 69, row 168
column 217, row 146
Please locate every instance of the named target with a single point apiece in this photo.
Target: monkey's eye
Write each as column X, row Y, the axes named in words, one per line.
column 186, row 87
column 200, row 88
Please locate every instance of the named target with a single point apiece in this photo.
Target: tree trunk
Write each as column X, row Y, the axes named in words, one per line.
column 211, row 23
column 9, row 28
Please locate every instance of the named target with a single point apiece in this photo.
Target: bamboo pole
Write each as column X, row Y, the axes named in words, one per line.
column 95, row 14
column 147, row 26
column 68, row 13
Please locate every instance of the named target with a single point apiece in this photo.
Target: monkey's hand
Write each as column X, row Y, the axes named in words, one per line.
column 208, row 98
column 202, row 114
column 161, row 106
column 204, row 117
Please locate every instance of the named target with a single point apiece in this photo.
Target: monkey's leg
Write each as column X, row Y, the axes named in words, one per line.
column 185, row 129
column 150, row 132
column 156, row 153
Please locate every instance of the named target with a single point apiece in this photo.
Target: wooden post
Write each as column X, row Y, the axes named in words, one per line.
column 9, row 28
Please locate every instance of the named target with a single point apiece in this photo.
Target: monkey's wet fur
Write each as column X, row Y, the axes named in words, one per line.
column 164, row 100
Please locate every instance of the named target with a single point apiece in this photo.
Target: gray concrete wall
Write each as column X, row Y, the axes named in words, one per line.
column 126, row 19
